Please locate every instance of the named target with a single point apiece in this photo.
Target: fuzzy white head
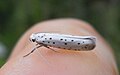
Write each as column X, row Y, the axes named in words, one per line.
column 32, row 38
column 36, row 37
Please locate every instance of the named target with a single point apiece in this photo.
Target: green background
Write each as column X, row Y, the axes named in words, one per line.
column 16, row 16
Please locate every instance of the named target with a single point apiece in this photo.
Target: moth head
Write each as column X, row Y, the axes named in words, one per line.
column 32, row 38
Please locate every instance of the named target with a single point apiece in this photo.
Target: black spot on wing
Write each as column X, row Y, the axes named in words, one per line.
column 65, row 39
column 83, row 42
column 53, row 42
column 78, row 43
column 50, row 38
column 61, row 39
column 65, row 43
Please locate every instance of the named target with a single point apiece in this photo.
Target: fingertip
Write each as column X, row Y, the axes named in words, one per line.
column 65, row 62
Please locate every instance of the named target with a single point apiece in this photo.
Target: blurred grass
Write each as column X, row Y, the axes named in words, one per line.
column 16, row 16
column 2, row 61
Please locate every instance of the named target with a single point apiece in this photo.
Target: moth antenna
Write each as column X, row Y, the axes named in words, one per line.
column 32, row 50
column 50, row 48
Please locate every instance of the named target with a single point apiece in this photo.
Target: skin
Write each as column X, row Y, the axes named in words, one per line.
column 43, row 61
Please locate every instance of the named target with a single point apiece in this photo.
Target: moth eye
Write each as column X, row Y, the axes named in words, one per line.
column 33, row 40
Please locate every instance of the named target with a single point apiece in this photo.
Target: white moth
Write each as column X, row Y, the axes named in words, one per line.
column 68, row 42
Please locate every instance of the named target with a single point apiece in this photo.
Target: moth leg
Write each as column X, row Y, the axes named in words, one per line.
column 32, row 50
column 49, row 48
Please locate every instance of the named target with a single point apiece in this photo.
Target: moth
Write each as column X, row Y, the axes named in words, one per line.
column 63, row 41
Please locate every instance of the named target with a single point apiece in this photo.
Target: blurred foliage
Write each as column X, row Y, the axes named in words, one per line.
column 16, row 16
